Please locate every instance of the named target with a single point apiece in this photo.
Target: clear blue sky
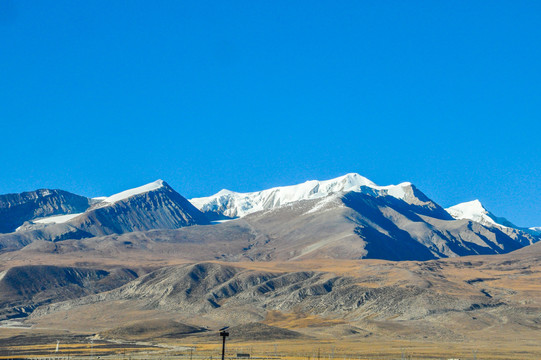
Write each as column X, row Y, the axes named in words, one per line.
column 100, row 96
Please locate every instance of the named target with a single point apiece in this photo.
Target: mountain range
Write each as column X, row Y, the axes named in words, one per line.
column 342, row 258
column 349, row 217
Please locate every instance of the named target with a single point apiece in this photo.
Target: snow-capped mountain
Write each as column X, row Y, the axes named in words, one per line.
column 475, row 211
column 126, row 194
column 65, row 214
column 347, row 217
column 356, row 225
column 152, row 206
column 98, row 202
column 230, row 204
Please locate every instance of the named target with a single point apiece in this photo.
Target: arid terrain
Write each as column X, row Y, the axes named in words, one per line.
column 489, row 306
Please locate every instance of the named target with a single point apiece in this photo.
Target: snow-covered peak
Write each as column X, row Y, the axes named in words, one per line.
column 132, row 192
column 475, row 211
column 233, row 204
column 469, row 208
column 349, row 180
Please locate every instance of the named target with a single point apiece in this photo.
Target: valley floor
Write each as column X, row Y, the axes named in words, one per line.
column 44, row 345
column 479, row 307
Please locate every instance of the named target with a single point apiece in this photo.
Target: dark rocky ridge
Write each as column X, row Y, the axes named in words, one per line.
column 15, row 209
column 162, row 208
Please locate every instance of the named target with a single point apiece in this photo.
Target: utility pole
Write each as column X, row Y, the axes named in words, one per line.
column 223, row 334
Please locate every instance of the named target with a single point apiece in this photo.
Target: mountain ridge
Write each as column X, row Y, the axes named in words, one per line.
column 230, row 204
column 347, row 217
column 152, row 206
column 15, row 209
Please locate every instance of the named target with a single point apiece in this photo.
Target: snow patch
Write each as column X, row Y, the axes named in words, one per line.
column 326, row 202
column 220, row 221
column 132, row 192
column 397, row 191
column 59, row 219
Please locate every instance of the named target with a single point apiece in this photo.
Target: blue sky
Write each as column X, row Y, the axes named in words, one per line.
column 100, row 96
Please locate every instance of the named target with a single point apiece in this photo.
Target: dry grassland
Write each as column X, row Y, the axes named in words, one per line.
column 516, row 283
column 287, row 350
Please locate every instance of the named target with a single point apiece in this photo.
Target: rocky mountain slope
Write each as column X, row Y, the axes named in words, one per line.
column 15, row 209
column 356, row 225
column 396, row 222
column 153, row 206
column 24, row 288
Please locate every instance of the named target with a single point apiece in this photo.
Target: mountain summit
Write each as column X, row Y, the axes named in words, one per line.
column 152, row 206
column 475, row 211
column 121, row 196
column 230, row 204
